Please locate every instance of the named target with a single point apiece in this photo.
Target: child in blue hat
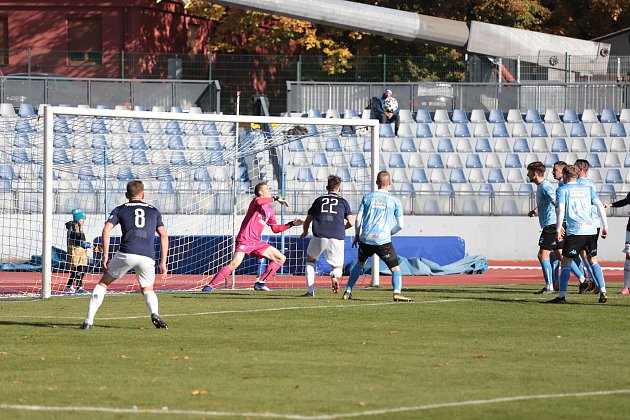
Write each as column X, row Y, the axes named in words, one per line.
column 77, row 252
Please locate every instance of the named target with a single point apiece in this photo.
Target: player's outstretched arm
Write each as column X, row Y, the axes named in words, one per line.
column 163, row 250
column 306, row 225
column 280, row 200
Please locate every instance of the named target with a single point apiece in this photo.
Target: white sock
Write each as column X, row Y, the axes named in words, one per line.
column 98, row 294
column 151, row 300
column 582, row 279
column 626, row 273
column 310, row 277
column 338, row 273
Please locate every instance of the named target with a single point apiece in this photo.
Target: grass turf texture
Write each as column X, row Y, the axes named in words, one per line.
column 236, row 352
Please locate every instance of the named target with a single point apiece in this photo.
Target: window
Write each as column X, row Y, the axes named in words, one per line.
column 4, row 40
column 85, row 40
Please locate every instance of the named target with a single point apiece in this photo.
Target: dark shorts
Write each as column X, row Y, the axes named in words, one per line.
column 573, row 244
column 548, row 239
column 386, row 252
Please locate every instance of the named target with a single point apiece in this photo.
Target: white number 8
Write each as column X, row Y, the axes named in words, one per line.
column 140, row 220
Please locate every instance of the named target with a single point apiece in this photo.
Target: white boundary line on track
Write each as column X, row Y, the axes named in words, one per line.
column 245, row 311
column 533, row 267
column 313, row 417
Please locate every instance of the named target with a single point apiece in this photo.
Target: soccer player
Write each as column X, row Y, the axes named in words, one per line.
column 583, row 165
column 574, row 205
column 546, row 210
column 379, row 217
column 331, row 216
column 626, row 250
column 259, row 214
column 138, row 222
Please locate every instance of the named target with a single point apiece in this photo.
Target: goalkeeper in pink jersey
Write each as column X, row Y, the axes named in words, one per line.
column 259, row 214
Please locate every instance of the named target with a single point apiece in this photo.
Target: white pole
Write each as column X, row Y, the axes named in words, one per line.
column 48, row 203
column 234, row 182
column 376, row 262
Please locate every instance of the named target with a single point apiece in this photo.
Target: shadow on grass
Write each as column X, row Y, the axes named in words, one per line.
column 52, row 324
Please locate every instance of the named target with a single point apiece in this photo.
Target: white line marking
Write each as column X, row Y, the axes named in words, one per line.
column 166, row 410
column 533, row 267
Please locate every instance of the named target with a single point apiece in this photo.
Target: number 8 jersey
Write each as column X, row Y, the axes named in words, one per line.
column 138, row 223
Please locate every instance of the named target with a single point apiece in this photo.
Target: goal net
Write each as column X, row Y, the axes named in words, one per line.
column 199, row 170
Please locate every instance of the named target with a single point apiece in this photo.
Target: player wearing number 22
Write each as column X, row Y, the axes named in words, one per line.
column 138, row 222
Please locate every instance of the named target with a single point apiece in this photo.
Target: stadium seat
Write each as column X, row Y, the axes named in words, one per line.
column 606, row 189
column 445, row 146
column 350, row 113
column 608, row 116
column 457, row 176
column 333, row 145
column 529, row 158
column 539, row 130
column 559, row 145
column 478, row 116
column 493, row 161
column 558, row 130
column 388, row 144
column 486, row 189
column 514, row 116
column 482, row 145
column 210, row 129
column 624, row 115
column 463, row 146
column 7, row 172
column 442, row 130
column 419, row 175
column 175, row 142
column 589, row 116
column 399, row 175
column 136, row 127
column 125, row 173
column 139, row 157
column 173, row 128
column 405, row 115
column 512, row 161
column 578, row 145
column 396, row 161
column 21, row 155
column 550, row 159
column 612, row 161
column 214, row 143
column 164, row 174
column 597, row 130
column 137, row 142
column 578, row 130
column 178, row 157
column 426, row 146
column 423, row 116
column 299, row 159
column 593, row 160
column 100, row 155
column 26, row 111
column 385, row 130
column 617, row 130
column 519, row 130
column 305, row 175
column 526, row 188
column 7, row 110
column 473, row 161
column 441, row 116
column 501, row 145
column 23, row 126
column 496, row 116
column 598, row 145
column 87, row 173
column 540, row 146
column 86, row 186
column 314, row 113
column 423, row 130
column 332, row 113
column 60, row 157
column 481, row 130
column 320, row 160
column 521, row 145
column 406, row 130
column 415, row 161
column 459, row 116
column 461, row 130
column 435, row 161
column 60, row 125
column 344, row 174
column 437, row 176
column 407, row 145
column 60, row 141
column 532, row 116
column 476, row 176
column 551, row 116
column 618, row 144
column 570, row 116
column 500, row 130
column 613, row 176
column 495, row 175
column 22, row 140
column 454, row 161
column 515, row 176
column 202, row 174
column 357, row 160
column 595, row 176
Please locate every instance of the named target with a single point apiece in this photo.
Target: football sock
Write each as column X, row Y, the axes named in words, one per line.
column 577, row 270
column 98, row 294
column 221, row 275
column 555, row 265
column 270, row 271
column 547, row 272
column 338, row 273
column 626, row 273
column 397, row 281
column 565, row 273
column 355, row 273
column 151, row 300
column 310, row 276
column 588, row 268
column 599, row 277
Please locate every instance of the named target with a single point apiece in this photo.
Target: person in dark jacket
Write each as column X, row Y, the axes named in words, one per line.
column 386, row 114
column 77, row 252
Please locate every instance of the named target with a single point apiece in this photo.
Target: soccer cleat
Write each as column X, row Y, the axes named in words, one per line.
column 603, row 298
column 158, row 322
column 549, row 292
column 334, row 283
column 207, row 288
column 541, row 291
column 591, row 286
column 86, row 326
column 624, row 291
column 258, row 286
column 557, row 300
column 69, row 289
column 401, row 298
column 308, row 294
column 596, row 290
column 346, row 295
column 583, row 287
column 81, row 291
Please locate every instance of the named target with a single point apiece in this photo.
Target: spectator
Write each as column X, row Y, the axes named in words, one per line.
column 388, row 114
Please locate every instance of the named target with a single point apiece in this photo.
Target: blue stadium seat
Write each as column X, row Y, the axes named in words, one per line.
column 202, row 175
column 166, row 187
column 61, row 157
column 559, row 145
column 26, row 111
column 570, row 116
column 333, row 145
column 23, row 126
column 578, row 130
column 385, row 130
column 98, row 126
column 435, row 161
column 137, row 142
column 175, row 142
column 446, row 189
column 60, row 141
column 99, row 141
column 626, row 162
column 613, row 176
column 486, row 189
column 606, row 189
column 22, row 140
column 459, row 116
column 139, row 157
column 495, row 176
column 135, row 127
column 344, row 174
column 593, row 160
column 496, row 116
column 178, row 157
column 617, row 130
column 396, row 161
column 357, row 160
column 20, row 156
column 539, row 130
column 608, row 116
column 550, row 159
column 407, row 145
column 314, row 113
column 418, row 175
column 173, row 128
column 7, row 172
column 473, row 161
column 6, row 186
column 177, row 109
column 513, row 161
column 461, row 130
column 500, row 130
column 86, row 186
column 526, row 189
column 87, row 173
column 521, row 145
column 482, row 145
column 294, row 146
column 320, row 160
column 457, row 176
column 210, row 129
column 423, row 130
column 445, row 146
column 406, row 188
column 350, row 113
column 164, row 174
column 60, row 125
column 214, row 143
column 125, row 174
column 305, row 175
column 533, row 116
column 98, row 156
column 598, row 145
column 423, row 116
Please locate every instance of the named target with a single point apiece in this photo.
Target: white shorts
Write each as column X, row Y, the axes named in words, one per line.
column 121, row 263
column 331, row 248
column 626, row 248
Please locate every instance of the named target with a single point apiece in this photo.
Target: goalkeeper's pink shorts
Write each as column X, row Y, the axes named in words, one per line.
column 255, row 248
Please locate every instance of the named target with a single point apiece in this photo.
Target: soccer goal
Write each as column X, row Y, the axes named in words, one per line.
column 199, row 170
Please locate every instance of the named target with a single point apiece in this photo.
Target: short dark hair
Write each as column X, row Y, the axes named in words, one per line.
column 382, row 177
column 583, row 164
column 560, row 164
column 333, row 183
column 571, row 171
column 537, row 167
column 258, row 187
column 134, row 189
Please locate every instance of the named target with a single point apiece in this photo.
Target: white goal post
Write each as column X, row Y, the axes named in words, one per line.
column 198, row 169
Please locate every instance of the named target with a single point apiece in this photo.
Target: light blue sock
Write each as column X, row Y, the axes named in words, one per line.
column 355, row 273
column 397, row 281
column 555, row 265
column 547, row 272
column 599, row 277
column 576, row 268
column 565, row 273
column 589, row 268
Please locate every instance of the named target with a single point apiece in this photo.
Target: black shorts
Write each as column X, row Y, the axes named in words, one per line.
column 573, row 244
column 549, row 239
column 386, row 252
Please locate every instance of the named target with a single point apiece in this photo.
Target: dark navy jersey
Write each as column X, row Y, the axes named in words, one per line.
column 138, row 222
column 329, row 216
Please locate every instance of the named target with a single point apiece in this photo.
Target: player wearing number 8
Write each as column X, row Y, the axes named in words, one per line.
column 138, row 222
column 331, row 216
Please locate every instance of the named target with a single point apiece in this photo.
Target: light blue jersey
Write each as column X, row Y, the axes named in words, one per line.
column 380, row 216
column 576, row 201
column 545, row 195
column 588, row 182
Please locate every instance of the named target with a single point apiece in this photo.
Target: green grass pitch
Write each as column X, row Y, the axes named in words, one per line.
column 466, row 352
